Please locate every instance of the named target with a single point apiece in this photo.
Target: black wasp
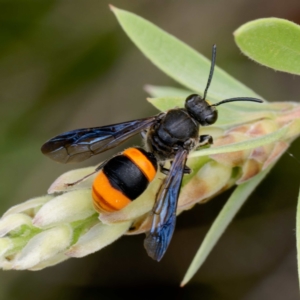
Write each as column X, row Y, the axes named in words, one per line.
column 171, row 135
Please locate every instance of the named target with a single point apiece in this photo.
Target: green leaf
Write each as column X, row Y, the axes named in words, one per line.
column 298, row 234
column 165, row 103
column 166, row 91
column 178, row 60
column 234, row 203
column 272, row 42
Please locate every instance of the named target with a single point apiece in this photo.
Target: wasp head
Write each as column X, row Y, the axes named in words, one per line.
column 201, row 110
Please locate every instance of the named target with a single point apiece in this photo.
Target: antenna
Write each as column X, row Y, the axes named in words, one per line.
column 238, row 99
column 211, row 72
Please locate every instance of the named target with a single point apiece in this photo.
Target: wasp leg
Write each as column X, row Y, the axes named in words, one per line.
column 205, row 140
column 187, row 170
column 166, row 171
column 88, row 175
column 163, row 169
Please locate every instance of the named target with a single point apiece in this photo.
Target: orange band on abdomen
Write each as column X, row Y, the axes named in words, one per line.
column 141, row 161
column 106, row 197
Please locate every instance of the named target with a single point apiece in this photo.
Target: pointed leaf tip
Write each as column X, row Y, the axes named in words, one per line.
column 112, row 8
column 178, row 60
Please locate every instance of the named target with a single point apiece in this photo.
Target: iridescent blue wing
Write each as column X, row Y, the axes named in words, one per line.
column 80, row 144
column 164, row 211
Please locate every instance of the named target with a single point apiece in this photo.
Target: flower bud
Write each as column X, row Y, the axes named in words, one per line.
column 62, row 183
column 13, row 221
column 66, row 208
column 43, row 247
column 97, row 238
column 5, row 245
column 29, row 207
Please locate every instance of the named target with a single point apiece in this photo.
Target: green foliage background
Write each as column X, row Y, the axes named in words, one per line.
column 68, row 64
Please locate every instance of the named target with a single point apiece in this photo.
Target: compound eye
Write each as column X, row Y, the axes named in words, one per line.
column 212, row 118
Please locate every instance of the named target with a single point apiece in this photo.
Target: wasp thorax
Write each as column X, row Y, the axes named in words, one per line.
column 201, row 110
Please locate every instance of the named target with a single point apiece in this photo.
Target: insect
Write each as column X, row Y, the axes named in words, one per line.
column 171, row 135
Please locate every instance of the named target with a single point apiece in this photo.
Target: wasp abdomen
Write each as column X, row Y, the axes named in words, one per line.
column 123, row 178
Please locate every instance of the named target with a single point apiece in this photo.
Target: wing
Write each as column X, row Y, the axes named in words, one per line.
column 78, row 145
column 164, row 212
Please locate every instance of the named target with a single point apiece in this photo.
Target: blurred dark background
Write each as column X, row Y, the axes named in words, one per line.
column 68, row 64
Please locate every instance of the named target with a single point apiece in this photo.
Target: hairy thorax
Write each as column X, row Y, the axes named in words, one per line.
column 175, row 129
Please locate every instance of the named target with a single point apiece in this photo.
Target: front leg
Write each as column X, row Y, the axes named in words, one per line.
column 205, row 140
